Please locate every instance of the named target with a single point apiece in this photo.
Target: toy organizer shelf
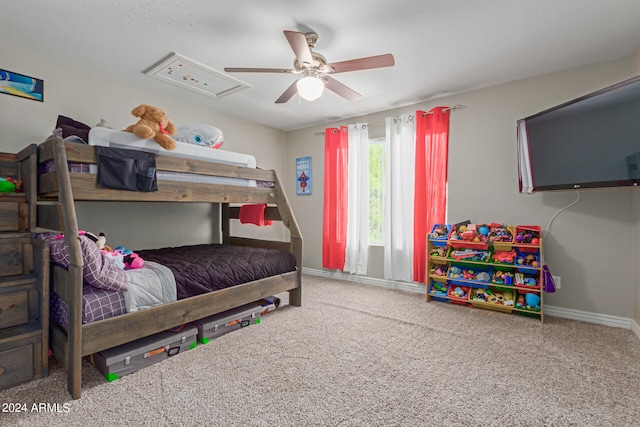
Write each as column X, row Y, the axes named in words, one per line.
column 494, row 272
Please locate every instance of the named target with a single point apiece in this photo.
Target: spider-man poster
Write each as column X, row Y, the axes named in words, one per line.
column 303, row 175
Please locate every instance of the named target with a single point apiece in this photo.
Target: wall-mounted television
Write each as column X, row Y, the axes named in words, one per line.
column 589, row 142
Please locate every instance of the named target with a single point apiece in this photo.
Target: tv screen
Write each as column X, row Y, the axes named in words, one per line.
column 590, row 142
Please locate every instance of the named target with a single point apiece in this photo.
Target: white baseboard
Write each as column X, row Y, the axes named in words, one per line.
column 567, row 313
column 587, row 316
column 391, row 284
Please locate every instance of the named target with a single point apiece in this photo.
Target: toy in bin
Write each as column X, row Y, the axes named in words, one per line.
column 469, row 255
column 529, row 280
column 504, row 257
column 528, row 235
column 471, row 233
column 492, row 296
column 438, row 288
column 528, row 260
column 464, row 273
column 459, row 292
column 528, row 301
column 439, row 251
column 500, row 233
column 455, row 272
column 440, row 231
column 502, row 277
column 504, row 297
column 438, row 270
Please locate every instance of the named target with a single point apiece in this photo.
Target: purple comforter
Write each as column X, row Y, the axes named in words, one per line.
column 210, row 267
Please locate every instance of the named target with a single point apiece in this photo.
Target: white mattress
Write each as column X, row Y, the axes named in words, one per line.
column 127, row 140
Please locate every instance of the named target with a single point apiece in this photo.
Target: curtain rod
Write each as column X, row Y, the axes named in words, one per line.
column 455, row 107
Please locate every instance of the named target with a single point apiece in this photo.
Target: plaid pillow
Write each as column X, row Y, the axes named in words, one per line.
column 97, row 270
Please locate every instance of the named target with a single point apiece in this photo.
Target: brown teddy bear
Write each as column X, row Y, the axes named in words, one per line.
column 154, row 123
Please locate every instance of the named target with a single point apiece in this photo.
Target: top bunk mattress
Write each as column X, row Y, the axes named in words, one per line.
column 99, row 136
column 119, row 139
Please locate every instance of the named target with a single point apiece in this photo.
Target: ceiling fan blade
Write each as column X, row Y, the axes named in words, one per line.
column 258, row 70
column 287, row 94
column 342, row 90
column 367, row 63
column 298, row 42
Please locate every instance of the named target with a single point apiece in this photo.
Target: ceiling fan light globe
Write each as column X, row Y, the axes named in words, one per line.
column 310, row 88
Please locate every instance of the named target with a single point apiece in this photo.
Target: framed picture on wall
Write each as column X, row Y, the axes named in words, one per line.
column 20, row 85
column 303, row 175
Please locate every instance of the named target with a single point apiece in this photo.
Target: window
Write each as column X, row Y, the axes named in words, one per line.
column 377, row 154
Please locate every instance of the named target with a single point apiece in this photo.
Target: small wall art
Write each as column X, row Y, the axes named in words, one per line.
column 303, row 176
column 21, row 85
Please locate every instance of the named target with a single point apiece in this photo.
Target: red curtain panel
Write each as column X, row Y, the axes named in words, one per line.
column 430, row 199
column 334, row 226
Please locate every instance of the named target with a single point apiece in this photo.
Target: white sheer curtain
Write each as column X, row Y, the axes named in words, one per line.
column 399, row 185
column 358, row 210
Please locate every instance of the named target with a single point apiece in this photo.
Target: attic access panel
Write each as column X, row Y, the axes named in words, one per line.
column 189, row 74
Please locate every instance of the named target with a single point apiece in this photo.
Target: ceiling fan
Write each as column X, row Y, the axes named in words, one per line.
column 315, row 70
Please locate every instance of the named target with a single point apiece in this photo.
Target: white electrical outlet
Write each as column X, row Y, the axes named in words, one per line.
column 556, row 281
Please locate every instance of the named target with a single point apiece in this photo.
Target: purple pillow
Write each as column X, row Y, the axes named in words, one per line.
column 71, row 127
column 97, row 270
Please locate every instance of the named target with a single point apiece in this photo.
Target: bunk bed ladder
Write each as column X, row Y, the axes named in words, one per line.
column 73, row 356
column 286, row 215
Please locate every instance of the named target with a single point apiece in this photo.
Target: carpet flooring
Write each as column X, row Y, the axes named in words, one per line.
column 360, row 355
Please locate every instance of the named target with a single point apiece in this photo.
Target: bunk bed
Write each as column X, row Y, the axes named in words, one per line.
column 57, row 191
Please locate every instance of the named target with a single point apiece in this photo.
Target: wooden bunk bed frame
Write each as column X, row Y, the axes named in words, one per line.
column 60, row 189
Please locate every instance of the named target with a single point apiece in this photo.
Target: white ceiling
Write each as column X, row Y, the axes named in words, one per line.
column 440, row 47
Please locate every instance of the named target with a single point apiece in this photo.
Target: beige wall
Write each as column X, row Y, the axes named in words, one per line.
column 88, row 97
column 590, row 245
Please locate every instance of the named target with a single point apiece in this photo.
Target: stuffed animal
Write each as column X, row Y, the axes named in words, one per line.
column 121, row 256
column 9, row 185
column 154, row 123
column 199, row 134
column 130, row 258
column 100, row 240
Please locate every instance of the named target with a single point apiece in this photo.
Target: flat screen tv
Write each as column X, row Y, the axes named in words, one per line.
column 590, row 142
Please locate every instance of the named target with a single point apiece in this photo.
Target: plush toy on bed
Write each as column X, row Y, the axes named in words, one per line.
column 121, row 256
column 154, row 123
column 130, row 258
column 199, row 134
